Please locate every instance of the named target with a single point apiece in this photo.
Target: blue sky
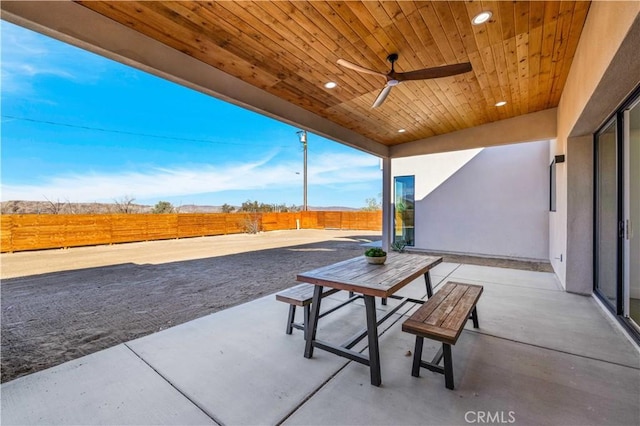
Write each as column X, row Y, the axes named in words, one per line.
column 81, row 128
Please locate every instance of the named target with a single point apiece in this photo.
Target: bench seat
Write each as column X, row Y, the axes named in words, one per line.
column 302, row 295
column 442, row 318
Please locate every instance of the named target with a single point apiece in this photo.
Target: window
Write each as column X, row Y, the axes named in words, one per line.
column 552, row 186
column 552, row 181
column 404, row 213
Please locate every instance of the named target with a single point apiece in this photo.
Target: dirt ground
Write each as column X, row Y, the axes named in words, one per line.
column 58, row 305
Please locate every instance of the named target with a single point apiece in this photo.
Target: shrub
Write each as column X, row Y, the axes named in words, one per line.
column 163, row 207
column 252, row 223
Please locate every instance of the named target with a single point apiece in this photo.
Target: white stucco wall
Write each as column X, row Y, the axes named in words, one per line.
column 558, row 218
column 495, row 204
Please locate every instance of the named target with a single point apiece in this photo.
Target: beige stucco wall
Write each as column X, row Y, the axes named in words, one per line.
column 579, row 172
column 607, row 25
column 604, row 72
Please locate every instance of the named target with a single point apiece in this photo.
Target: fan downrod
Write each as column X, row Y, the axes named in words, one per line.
column 392, row 58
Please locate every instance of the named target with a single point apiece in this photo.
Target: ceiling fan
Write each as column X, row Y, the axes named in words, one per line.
column 394, row 78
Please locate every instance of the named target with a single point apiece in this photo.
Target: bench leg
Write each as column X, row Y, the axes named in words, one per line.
column 448, row 366
column 384, row 301
column 291, row 318
column 417, row 357
column 444, row 353
column 474, row 317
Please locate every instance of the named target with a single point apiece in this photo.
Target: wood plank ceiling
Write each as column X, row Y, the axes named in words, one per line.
column 522, row 55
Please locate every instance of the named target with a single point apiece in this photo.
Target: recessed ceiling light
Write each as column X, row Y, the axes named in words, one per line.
column 481, row 18
column 330, row 84
column 501, row 103
column 401, row 130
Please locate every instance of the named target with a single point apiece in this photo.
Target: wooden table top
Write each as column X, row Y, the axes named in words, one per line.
column 374, row 280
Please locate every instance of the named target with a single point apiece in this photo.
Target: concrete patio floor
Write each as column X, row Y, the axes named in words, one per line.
column 540, row 356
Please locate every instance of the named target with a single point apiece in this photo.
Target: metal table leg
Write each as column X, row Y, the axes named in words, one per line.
column 312, row 326
column 372, row 334
column 427, row 281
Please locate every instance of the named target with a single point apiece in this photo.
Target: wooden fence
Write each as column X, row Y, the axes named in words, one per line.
column 46, row 231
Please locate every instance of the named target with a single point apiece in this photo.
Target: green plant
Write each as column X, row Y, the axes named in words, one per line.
column 226, row 208
column 163, row 207
column 372, row 205
column 398, row 246
column 375, row 252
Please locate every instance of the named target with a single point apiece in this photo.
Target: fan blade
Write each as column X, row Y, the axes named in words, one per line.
column 382, row 96
column 355, row 67
column 436, row 72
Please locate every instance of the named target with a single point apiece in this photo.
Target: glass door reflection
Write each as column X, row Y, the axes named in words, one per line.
column 404, row 189
column 632, row 213
column 606, row 244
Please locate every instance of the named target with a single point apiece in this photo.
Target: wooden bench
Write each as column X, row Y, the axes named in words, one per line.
column 302, row 295
column 442, row 318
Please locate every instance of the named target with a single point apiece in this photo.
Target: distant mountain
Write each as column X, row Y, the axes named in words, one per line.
column 63, row 207
column 193, row 208
column 333, row 208
column 59, row 207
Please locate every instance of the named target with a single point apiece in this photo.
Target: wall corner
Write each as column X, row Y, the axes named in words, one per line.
column 579, row 266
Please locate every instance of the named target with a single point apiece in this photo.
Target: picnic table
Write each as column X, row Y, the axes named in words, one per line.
column 358, row 276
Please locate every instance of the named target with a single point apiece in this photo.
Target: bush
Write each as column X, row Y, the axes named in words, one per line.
column 252, row 223
column 163, row 207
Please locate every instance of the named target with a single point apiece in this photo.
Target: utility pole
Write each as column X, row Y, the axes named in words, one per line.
column 302, row 134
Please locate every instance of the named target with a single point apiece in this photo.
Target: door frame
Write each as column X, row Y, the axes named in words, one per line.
column 633, row 102
column 621, row 308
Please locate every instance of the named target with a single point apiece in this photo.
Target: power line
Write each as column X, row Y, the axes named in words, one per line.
column 123, row 132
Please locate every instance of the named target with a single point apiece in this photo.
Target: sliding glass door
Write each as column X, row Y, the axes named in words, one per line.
column 632, row 213
column 606, row 215
column 617, row 213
